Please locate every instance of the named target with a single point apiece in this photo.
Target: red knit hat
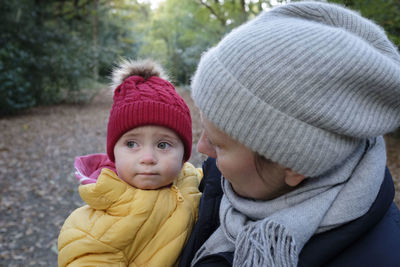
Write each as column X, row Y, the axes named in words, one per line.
column 143, row 98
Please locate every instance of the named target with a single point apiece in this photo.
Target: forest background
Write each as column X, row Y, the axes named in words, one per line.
column 63, row 50
column 55, row 59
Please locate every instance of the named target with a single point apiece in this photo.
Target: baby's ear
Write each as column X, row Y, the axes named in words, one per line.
column 293, row 178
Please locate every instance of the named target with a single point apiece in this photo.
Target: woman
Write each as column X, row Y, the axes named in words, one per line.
column 294, row 105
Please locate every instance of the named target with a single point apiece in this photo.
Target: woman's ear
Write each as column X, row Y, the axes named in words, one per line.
column 293, row 178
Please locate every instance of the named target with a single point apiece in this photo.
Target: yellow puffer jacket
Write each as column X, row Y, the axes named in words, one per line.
column 126, row 226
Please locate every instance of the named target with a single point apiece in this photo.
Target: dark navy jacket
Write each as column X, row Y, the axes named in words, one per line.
column 371, row 240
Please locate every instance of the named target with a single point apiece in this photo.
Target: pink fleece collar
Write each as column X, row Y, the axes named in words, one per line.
column 88, row 168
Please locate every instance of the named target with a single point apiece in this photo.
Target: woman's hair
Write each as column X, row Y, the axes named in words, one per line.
column 259, row 162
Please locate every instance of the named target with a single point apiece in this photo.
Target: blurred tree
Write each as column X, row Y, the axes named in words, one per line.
column 181, row 30
column 49, row 48
column 173, row 38
column 95, row 38
column 233, row 13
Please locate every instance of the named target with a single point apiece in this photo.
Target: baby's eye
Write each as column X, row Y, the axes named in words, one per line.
column 163, row 145
column 131, row 144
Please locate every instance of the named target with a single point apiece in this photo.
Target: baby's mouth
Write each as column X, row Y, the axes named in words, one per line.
column 147, row 173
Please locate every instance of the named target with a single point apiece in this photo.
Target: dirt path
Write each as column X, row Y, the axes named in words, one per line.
column 37, row 186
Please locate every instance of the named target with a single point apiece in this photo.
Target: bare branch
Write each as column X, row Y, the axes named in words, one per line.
column 244, row 14
column 76, row 7
column 218, row 16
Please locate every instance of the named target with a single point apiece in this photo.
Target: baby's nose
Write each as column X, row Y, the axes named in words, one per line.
column 148, row 157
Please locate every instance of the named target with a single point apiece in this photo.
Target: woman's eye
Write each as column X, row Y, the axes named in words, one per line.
column 131, row 144
column 163, row 145
column 209, row 142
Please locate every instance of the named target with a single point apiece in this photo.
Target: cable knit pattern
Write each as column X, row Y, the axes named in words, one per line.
column 125, row 226
column 302, row 84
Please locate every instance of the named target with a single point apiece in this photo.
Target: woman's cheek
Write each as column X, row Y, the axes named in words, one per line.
column 223, row 167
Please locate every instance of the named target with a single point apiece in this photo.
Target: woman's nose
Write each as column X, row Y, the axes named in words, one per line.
column 204, row 147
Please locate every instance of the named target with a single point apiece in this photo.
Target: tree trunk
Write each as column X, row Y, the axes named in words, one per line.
column 95, row 39
column 244, row 14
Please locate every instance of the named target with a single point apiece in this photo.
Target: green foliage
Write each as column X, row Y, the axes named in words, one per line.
column 52, row 51
column 48, row 47
column 15, row 85
column 181, row 30
column 36, row 60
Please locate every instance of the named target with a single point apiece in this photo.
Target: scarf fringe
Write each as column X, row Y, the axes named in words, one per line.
column 265, row 244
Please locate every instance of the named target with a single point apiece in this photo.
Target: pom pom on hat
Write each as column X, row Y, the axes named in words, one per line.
column 143, row 68
column 142, row 97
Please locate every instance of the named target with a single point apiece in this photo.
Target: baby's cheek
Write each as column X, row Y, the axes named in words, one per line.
column 123, row 168
column 174, row 169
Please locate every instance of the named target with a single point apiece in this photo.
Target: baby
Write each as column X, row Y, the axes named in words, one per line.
column 142, row 197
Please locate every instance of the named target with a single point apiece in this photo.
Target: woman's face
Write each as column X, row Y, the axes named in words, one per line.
column 237, row 164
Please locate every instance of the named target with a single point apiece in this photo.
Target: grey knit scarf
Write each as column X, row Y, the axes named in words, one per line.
column 272, row 233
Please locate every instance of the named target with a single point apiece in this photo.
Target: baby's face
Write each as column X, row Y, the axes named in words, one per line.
column 149, row 157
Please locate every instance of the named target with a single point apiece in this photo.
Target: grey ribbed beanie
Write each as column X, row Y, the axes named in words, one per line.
column 302, row 84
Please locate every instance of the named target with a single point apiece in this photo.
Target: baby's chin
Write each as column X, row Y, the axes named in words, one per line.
column 151, row 186
column 146, row 184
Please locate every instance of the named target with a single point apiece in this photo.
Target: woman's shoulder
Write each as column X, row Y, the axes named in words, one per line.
column 377, row 247
column 211, row 182
column 208, row 219
column 371, row 240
